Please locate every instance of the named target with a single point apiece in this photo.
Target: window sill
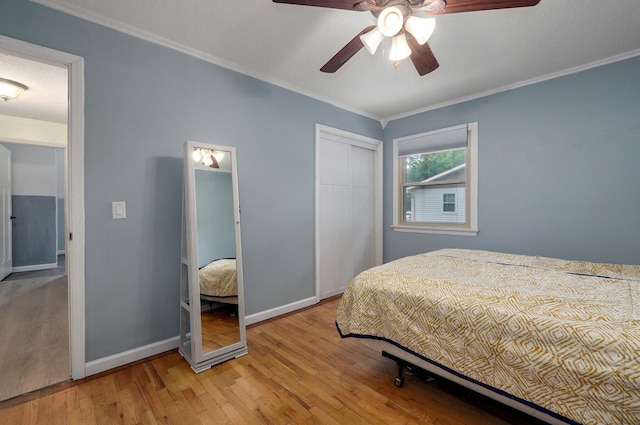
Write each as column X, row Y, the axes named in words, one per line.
column 440, row 230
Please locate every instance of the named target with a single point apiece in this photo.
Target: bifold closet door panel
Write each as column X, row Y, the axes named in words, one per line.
column 335, row 218
column 362, row 208
column 346, row 215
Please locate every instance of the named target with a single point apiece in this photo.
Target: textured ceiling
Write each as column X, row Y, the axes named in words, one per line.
column 478, row 52
column 46, row 97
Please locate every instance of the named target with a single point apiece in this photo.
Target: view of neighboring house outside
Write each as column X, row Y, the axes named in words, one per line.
column 436, row 181
column 439, row 203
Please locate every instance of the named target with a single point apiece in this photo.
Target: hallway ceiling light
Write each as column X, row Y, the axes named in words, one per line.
column 10, row 89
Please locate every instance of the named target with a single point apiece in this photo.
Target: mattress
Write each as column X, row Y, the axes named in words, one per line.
column 561, row 336
column 219, row 278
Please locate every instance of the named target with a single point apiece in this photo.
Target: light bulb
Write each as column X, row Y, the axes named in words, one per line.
column 420, row 28
column 218, row 155
column 399, row 48
column 372, row 40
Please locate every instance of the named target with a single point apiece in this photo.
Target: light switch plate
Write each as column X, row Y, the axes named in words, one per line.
column 119, row 210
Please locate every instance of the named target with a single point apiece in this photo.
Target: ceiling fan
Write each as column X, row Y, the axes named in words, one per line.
column 397, row 20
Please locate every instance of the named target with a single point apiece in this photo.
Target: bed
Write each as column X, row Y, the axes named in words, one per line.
column 554, row 338
column 219, row 281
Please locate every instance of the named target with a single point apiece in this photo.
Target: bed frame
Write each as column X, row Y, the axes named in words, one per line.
column 222, row 300
column 406, row 359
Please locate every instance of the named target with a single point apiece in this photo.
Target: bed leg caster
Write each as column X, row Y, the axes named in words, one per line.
column 399, row 381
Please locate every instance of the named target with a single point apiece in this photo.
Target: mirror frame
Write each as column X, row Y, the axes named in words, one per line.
column 190, row 307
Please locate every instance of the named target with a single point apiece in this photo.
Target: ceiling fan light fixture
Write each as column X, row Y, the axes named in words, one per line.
column 420, row 28
column 390, row 21
column 399, row 48
column 372, row 40
column 10, row 89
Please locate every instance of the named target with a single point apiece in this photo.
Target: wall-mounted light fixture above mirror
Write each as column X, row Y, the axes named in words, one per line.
column 212, row 294
column 207, row 157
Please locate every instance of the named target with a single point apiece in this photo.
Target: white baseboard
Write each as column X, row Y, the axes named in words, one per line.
column 120, row 359
column 274, row 312
column 33, row 268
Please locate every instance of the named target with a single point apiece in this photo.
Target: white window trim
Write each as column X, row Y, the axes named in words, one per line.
column 472, row 186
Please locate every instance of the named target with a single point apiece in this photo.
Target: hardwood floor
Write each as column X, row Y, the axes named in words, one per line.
column 34, row 332
column 298, row 371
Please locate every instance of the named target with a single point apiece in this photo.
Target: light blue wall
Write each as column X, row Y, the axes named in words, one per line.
column 34, row 190
column 142, row 102
column 60, row 185
column 33, row 230
column 558, row 168
column 61, row 240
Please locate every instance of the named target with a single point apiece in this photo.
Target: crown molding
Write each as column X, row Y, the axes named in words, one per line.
column 554, row 75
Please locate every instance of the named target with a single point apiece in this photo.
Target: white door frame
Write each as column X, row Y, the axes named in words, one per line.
column 74, row 199
column 360, row 141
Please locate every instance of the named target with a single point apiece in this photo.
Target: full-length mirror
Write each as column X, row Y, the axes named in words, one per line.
column 212, row 301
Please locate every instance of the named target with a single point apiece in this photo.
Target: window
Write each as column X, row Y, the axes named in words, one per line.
column 449, row 202
column 435, row 181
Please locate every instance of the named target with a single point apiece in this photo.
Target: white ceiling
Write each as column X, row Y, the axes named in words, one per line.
column 479, row 52
column 46, row 98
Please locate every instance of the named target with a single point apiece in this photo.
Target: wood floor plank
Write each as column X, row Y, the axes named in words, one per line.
column 234, row 416
column 298, row 371
column 172, row 406
column 87, row 412
column 152, row 401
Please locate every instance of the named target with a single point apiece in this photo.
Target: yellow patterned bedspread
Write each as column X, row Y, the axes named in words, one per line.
column 563, row 335
column 219, row 278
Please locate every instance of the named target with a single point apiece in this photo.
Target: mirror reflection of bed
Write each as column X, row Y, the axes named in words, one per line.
column 219, row 304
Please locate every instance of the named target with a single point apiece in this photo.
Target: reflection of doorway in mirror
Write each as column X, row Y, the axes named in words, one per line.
column 220, row 327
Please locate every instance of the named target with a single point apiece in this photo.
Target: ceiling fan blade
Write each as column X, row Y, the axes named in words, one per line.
column 334, row 4
column 456, row 6
column 422, row 57
column 346, row 53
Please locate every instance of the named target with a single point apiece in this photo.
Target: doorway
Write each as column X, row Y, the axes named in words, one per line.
column 72, row 228
column 34, row 307
column 348, row 208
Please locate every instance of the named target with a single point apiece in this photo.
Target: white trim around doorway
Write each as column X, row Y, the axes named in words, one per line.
column 74, row 198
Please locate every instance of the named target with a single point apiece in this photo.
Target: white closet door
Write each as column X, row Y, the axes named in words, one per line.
column 346, row 212
column 363, row 207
